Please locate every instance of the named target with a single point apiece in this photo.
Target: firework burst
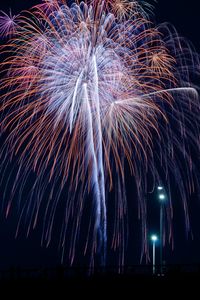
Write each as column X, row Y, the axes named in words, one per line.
column 8, row 24
column 89, row 90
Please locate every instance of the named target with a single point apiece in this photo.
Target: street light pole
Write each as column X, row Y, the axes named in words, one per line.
column 161, row 238
column 154, row 239
column 162, row 199
column 154, row 258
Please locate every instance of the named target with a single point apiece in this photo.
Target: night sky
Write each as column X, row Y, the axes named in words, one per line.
column 27, row 252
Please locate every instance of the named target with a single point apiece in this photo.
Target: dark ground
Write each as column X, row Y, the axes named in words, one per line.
column 137, row 280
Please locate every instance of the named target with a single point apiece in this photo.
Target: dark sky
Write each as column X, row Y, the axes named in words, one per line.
column 184, row 15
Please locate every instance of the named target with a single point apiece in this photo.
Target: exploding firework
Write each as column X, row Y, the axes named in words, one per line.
column 89, row 91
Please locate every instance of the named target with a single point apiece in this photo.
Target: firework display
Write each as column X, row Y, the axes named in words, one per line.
column 90, row 90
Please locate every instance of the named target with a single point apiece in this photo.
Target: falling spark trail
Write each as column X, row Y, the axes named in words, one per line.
column 72, row 112
column 103, row 225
